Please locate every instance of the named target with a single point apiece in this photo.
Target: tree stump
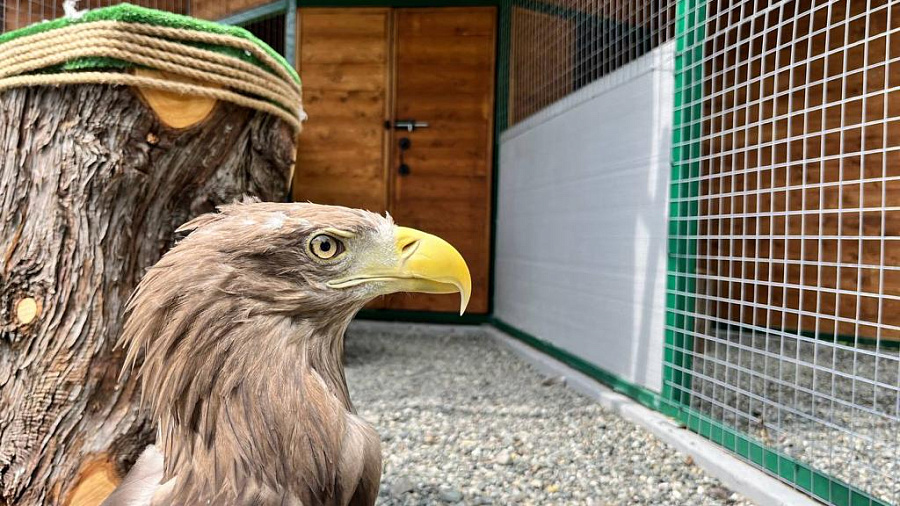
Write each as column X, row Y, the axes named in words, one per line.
column 92, row 186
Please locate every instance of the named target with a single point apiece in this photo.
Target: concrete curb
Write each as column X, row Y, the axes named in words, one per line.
column 734, row 473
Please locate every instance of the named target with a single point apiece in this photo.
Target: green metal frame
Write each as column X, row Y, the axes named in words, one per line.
column 501, row 118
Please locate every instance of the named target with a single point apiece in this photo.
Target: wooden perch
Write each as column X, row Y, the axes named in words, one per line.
column 92, row 186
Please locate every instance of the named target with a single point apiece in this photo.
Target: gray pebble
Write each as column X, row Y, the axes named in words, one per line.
column 450, row 495
column 553, row 381
column 400, row 486
column 473, row 424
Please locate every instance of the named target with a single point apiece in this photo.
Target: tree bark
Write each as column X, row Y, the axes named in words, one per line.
column 92, row 187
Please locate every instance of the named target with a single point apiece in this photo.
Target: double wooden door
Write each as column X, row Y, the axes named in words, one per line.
column 401, row 108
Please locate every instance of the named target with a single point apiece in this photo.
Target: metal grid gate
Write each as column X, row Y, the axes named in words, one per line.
column 784, row 275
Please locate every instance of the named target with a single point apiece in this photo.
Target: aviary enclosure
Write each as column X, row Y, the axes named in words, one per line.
column 782, row 326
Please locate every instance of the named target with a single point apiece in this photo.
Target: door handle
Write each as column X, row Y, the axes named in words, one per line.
column 410, row 125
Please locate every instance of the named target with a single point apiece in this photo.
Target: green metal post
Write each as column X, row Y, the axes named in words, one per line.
column 290, row 33
column 683, row 208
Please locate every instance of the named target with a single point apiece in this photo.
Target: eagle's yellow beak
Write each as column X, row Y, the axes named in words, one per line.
column 425, row 263
column 429, row 264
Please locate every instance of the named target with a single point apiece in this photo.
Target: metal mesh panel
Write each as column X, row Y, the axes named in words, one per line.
column 18, row 13
column 270, row 28
column 553, row 48
column 784, row 290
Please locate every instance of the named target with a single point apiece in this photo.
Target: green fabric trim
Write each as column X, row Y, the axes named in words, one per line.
column 133, row 14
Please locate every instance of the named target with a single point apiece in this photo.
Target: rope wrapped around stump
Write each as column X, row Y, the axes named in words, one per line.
column 35, row 60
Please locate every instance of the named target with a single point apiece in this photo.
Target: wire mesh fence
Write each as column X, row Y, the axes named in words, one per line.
column 555, row 48
column 20, row 13
column 784, row 318
column 270, row 28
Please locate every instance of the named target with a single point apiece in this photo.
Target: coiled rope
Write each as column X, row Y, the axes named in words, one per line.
column 34, row 60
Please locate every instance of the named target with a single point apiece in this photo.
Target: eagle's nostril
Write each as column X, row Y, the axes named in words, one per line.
column 409, row 248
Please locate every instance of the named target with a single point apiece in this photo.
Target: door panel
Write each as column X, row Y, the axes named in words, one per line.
column 361, row 67
column 444, row 75
column 344, row 58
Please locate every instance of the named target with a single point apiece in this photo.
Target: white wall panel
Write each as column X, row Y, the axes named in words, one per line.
column 582, row 215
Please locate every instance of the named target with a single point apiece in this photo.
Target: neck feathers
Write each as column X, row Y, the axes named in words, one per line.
column 233, row 384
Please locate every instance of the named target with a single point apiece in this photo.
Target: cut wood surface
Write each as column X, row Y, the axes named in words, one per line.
column 175, row 110
column 92, row 187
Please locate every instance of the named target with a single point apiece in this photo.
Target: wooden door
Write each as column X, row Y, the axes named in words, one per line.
column 444, row 76
column 344, row 58
column 364, row 67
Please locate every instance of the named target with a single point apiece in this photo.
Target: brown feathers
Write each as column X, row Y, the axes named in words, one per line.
column 238, row 344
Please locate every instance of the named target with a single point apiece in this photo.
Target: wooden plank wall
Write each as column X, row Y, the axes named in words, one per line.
column 776, row 151
column 344, row 58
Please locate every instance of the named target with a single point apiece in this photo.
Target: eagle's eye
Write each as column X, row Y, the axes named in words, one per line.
column 325, row 247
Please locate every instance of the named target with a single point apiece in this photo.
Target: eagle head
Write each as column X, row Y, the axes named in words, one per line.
column 237, row 335
column 306, row 258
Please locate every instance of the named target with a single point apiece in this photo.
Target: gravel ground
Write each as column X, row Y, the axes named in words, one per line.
column 464, row 421
column 835, row 407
